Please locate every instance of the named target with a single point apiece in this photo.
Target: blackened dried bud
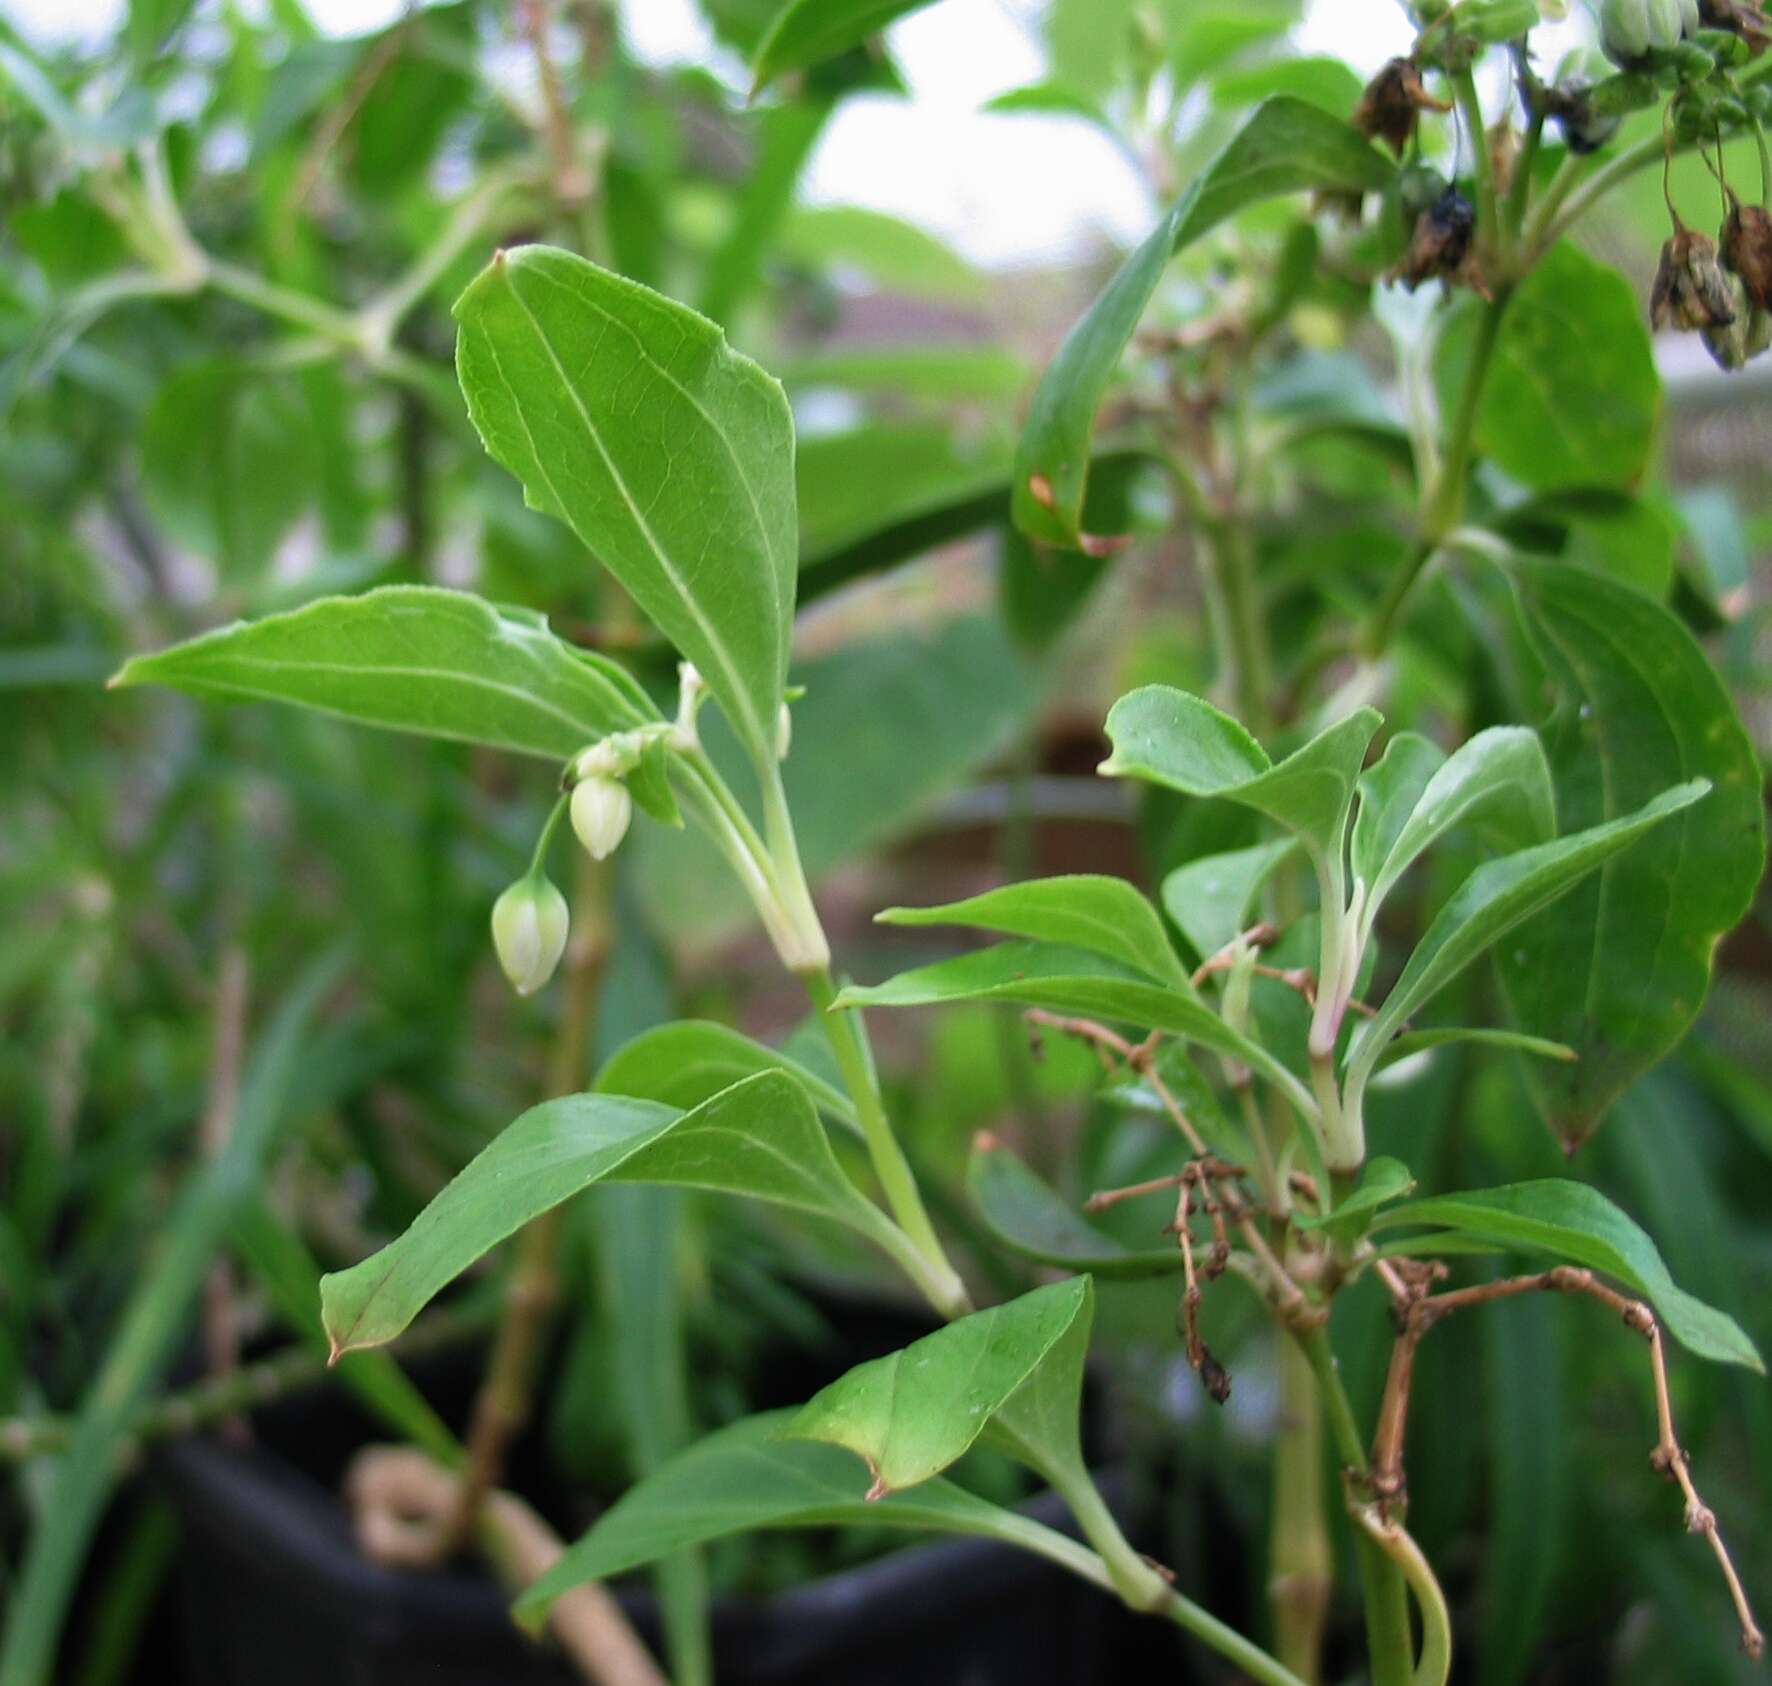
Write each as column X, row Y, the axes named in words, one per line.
column 1746, row 240
column 1392, row 102
column 1740, row 17
column 1441, row 243
column 1727, row 341
column 1691, row 288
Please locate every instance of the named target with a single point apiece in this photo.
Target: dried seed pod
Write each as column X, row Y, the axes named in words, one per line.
column 1441, row 243
column 1727, row 341
column 1746, row 241
column 1691, row 287
column 1392, row 102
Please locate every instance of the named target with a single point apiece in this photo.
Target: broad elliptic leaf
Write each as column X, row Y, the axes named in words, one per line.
column 1287, row 146
column 911, row 1414
column 806, row 32
column 1495, row 898
column 1571, row 1221
column 750, row 1476
column 1498, row 778
column 628, row 417
column 1084, row 910
column 759, row 1138
column 1620, row 969
column 1171, row 738
column 417, row 659
column 1382, row 1180
column 690, row 1061
column 1027, row 1216
column 1071, row 980
column 1210, row 898
column 1572, row 396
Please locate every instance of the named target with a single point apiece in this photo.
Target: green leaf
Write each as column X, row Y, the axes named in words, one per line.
column 897, row 256
column 1171, row 738
column 759, row 1138
column 442, row 663
column 1068, row 980
column 748, row 1476
column 1620, row 970
column 227, row 463
column 1607, row 531
column 1085, row 910
column 909, row 1415
column 692, row 1060
column 1287, row 146
column 961, row 370
column 1569, row 1220
column 806, row 32
column 1419, row 1041
column 1025, row 1215
column 1382, row 1180
column 1572, row 397
column 1490, row 903
column 1499, row 778
column 627, row 416
column 1210, row 898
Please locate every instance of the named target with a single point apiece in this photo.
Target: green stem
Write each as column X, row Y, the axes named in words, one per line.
column 1242, row 602
column 897, row 1182
column 1301, row 1568
column 1520, row 191
column 1470, row 109
column 1386, row 1595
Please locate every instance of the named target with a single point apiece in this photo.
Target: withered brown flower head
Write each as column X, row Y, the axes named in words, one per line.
column 1440, row 246
column 1745, row 18
column 1691, row 288
column 1746, row 240
column 1727, row 341
column 1392, row 102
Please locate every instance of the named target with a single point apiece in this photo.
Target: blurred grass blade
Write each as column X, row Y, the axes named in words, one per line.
column 147, row 1332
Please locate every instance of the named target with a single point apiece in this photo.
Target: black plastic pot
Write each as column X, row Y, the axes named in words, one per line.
column 273, row 1591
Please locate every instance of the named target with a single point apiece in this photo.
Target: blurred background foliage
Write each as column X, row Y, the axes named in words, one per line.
column 176, row 452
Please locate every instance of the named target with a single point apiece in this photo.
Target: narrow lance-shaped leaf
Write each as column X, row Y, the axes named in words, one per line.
column 749, row 1476
column 806, row 32
column 1287, row 146
column 1085, row 910
column 1068, row 980
column 1028, row 1217
column 1211, row 899
column 628, row 417
column 1172, row 738
column 1490, row 903
column 442, row 663
column 1499, row 778
column 1620, row 969
column 759, row 1138
column 909, row 1415
column 690, row 1061
column 1569, row 1220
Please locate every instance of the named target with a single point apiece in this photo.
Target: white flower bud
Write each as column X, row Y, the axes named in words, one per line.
column 529, row 923
column 601, row 810
column 784, row 733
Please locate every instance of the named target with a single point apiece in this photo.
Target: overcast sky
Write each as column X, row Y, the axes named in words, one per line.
column 1005, row 190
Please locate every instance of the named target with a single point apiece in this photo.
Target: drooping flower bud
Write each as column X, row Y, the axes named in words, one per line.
column 1746, row 240
column 1394, row 99
column 529, row 925
column 1691, row 288
column 601, row 811
column 1727, row 341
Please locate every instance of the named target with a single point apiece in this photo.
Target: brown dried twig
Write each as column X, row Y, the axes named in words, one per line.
column 1417, row 1309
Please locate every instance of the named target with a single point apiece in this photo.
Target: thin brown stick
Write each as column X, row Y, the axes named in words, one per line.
column 573, row 183
column 1257, row 936
column 341, row 116
column 1668, row 1458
